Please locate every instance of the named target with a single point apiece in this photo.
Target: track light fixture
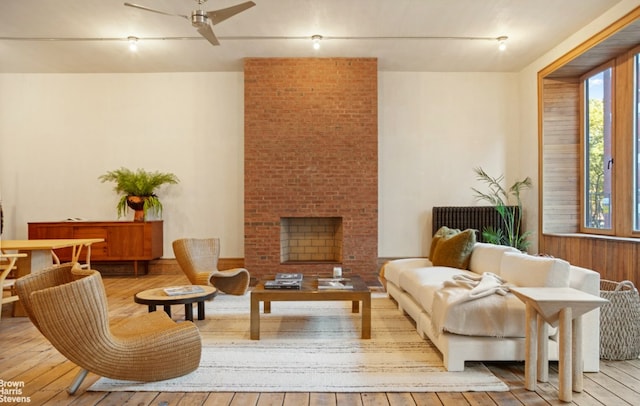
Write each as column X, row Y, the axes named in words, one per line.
column 502, row 42
column 316, row 41
column 133, row 43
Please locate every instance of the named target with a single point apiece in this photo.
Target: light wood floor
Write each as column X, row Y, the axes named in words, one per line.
column 26, row 357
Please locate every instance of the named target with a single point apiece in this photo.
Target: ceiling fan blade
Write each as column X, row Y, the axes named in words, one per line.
column 206, row 31
column 155, row 11
column 218, row 16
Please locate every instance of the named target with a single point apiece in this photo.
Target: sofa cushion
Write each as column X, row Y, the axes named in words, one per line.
column 584, row 279
column 490, row 316
column 488, row 257
column 393, row 269
column 454, row 250
column 531, row 271
column 442, row 232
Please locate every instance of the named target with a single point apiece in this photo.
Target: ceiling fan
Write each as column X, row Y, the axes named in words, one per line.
column 203, row 20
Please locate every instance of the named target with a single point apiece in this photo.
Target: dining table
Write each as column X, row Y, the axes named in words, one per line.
column 40, row 255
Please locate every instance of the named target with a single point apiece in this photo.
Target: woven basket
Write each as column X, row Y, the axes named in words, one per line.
column 619, row 321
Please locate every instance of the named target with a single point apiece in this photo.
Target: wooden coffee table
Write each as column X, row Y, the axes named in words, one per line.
column 310, row 292
column 158, row 297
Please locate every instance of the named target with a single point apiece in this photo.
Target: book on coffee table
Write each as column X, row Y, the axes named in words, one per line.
column 280, row 276
column 334, row 283
column 183, row 290
column 283, row 284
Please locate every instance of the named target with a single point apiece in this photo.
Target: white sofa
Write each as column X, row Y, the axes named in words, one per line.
column 476, row 331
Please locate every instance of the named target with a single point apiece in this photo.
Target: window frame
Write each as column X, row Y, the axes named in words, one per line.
column 625, row 149
column 633, row 95
column 583, row 125
column 635, row 134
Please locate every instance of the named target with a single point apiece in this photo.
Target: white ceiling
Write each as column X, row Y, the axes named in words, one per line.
column 533, row 27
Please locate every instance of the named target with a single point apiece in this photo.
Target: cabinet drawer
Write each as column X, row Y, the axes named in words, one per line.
column 90, row 232
column 99, row 251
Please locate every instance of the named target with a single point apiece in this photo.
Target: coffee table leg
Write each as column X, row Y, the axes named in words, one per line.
column 152, row 308
column 255, row 318
column 355, row 306
column 167, row 309
column 188, row 311
column 366, row 317
column 201, row 310
column 267, row 306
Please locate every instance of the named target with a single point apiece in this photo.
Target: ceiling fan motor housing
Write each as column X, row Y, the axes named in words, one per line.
column 199, row 18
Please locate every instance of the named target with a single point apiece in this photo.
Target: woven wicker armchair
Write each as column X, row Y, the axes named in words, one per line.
column 198, row 258
column 69, row 307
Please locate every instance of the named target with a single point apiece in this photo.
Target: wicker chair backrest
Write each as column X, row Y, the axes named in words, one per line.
column 53, row 276
column 74, row 317
column 198, row 257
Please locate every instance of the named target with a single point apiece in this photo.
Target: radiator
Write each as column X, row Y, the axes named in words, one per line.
column 473, row 217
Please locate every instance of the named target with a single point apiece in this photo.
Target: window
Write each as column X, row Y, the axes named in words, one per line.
column 610, row 118
column 598, row 168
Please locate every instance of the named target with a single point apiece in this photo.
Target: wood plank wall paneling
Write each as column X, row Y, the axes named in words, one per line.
column 561, row 156
column 614, row 259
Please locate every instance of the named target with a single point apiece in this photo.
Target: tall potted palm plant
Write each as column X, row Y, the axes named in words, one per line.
column 137, row 189
column 509, row 205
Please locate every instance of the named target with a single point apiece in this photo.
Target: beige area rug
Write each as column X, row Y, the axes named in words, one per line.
column 314, row 347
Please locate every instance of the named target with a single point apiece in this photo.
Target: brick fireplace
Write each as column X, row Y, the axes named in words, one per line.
column 311, row 163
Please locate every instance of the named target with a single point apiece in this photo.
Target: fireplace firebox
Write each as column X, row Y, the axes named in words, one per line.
column 310, row 239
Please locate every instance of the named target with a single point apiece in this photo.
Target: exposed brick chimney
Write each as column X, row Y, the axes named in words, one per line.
column 311, row 150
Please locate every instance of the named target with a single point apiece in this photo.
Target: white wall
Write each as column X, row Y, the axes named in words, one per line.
column 59, row 132
column 435, row 128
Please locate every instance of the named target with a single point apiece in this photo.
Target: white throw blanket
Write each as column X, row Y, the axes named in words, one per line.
column 463, row 289
column 482, row 285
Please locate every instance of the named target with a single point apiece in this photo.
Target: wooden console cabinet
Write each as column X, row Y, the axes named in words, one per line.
column 123, row 240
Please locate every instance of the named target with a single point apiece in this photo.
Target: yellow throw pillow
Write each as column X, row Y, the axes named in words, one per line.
column 454, row 250
column 442, row 232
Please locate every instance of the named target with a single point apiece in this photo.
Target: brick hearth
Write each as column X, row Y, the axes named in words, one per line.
column 311, row 150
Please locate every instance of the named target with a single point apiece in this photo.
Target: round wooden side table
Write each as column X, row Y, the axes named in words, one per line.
column 158, row 297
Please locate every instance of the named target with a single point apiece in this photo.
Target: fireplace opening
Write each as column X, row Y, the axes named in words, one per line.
column 310, row 239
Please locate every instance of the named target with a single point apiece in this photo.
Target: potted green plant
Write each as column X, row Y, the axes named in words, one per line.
column 504, row 201
column 138, row 190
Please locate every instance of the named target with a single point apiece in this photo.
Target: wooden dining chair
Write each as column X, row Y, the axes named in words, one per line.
column 7, row 264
